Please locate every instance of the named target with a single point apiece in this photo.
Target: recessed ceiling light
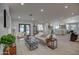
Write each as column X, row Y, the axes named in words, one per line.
column 22, row 3
column 42, row 10
column 66, row 6
column 19, row 17
column 72, row 13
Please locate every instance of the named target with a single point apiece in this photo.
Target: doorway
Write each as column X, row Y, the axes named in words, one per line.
column 25, row 28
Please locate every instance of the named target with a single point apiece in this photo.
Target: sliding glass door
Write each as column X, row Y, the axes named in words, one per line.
column 21, row 28
column 25, row 28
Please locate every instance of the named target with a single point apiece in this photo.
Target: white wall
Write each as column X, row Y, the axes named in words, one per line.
column 70, row 20
column 2, row 29
column 15, row 25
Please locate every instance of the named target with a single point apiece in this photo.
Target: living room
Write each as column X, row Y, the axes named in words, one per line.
column 40, row 22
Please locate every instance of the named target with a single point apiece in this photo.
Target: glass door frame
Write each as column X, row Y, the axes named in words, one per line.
column 25, row 28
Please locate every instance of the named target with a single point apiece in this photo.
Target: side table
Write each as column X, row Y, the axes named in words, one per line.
column 52, row 43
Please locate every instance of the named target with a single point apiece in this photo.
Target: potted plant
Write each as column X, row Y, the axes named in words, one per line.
column 8, row 42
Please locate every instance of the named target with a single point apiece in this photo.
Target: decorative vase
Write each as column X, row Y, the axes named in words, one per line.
column 10, row 50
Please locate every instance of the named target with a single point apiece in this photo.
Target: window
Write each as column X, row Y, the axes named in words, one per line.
column 73, row 27
column 27, row 29
column 21, row 28
column 78, row 26
column 67, row 27
column 24, row 28
column 40, row 27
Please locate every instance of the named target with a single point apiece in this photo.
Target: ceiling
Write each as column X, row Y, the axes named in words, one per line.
column 52, row 11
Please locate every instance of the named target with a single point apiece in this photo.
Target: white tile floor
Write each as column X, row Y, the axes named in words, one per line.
column 65, row 47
